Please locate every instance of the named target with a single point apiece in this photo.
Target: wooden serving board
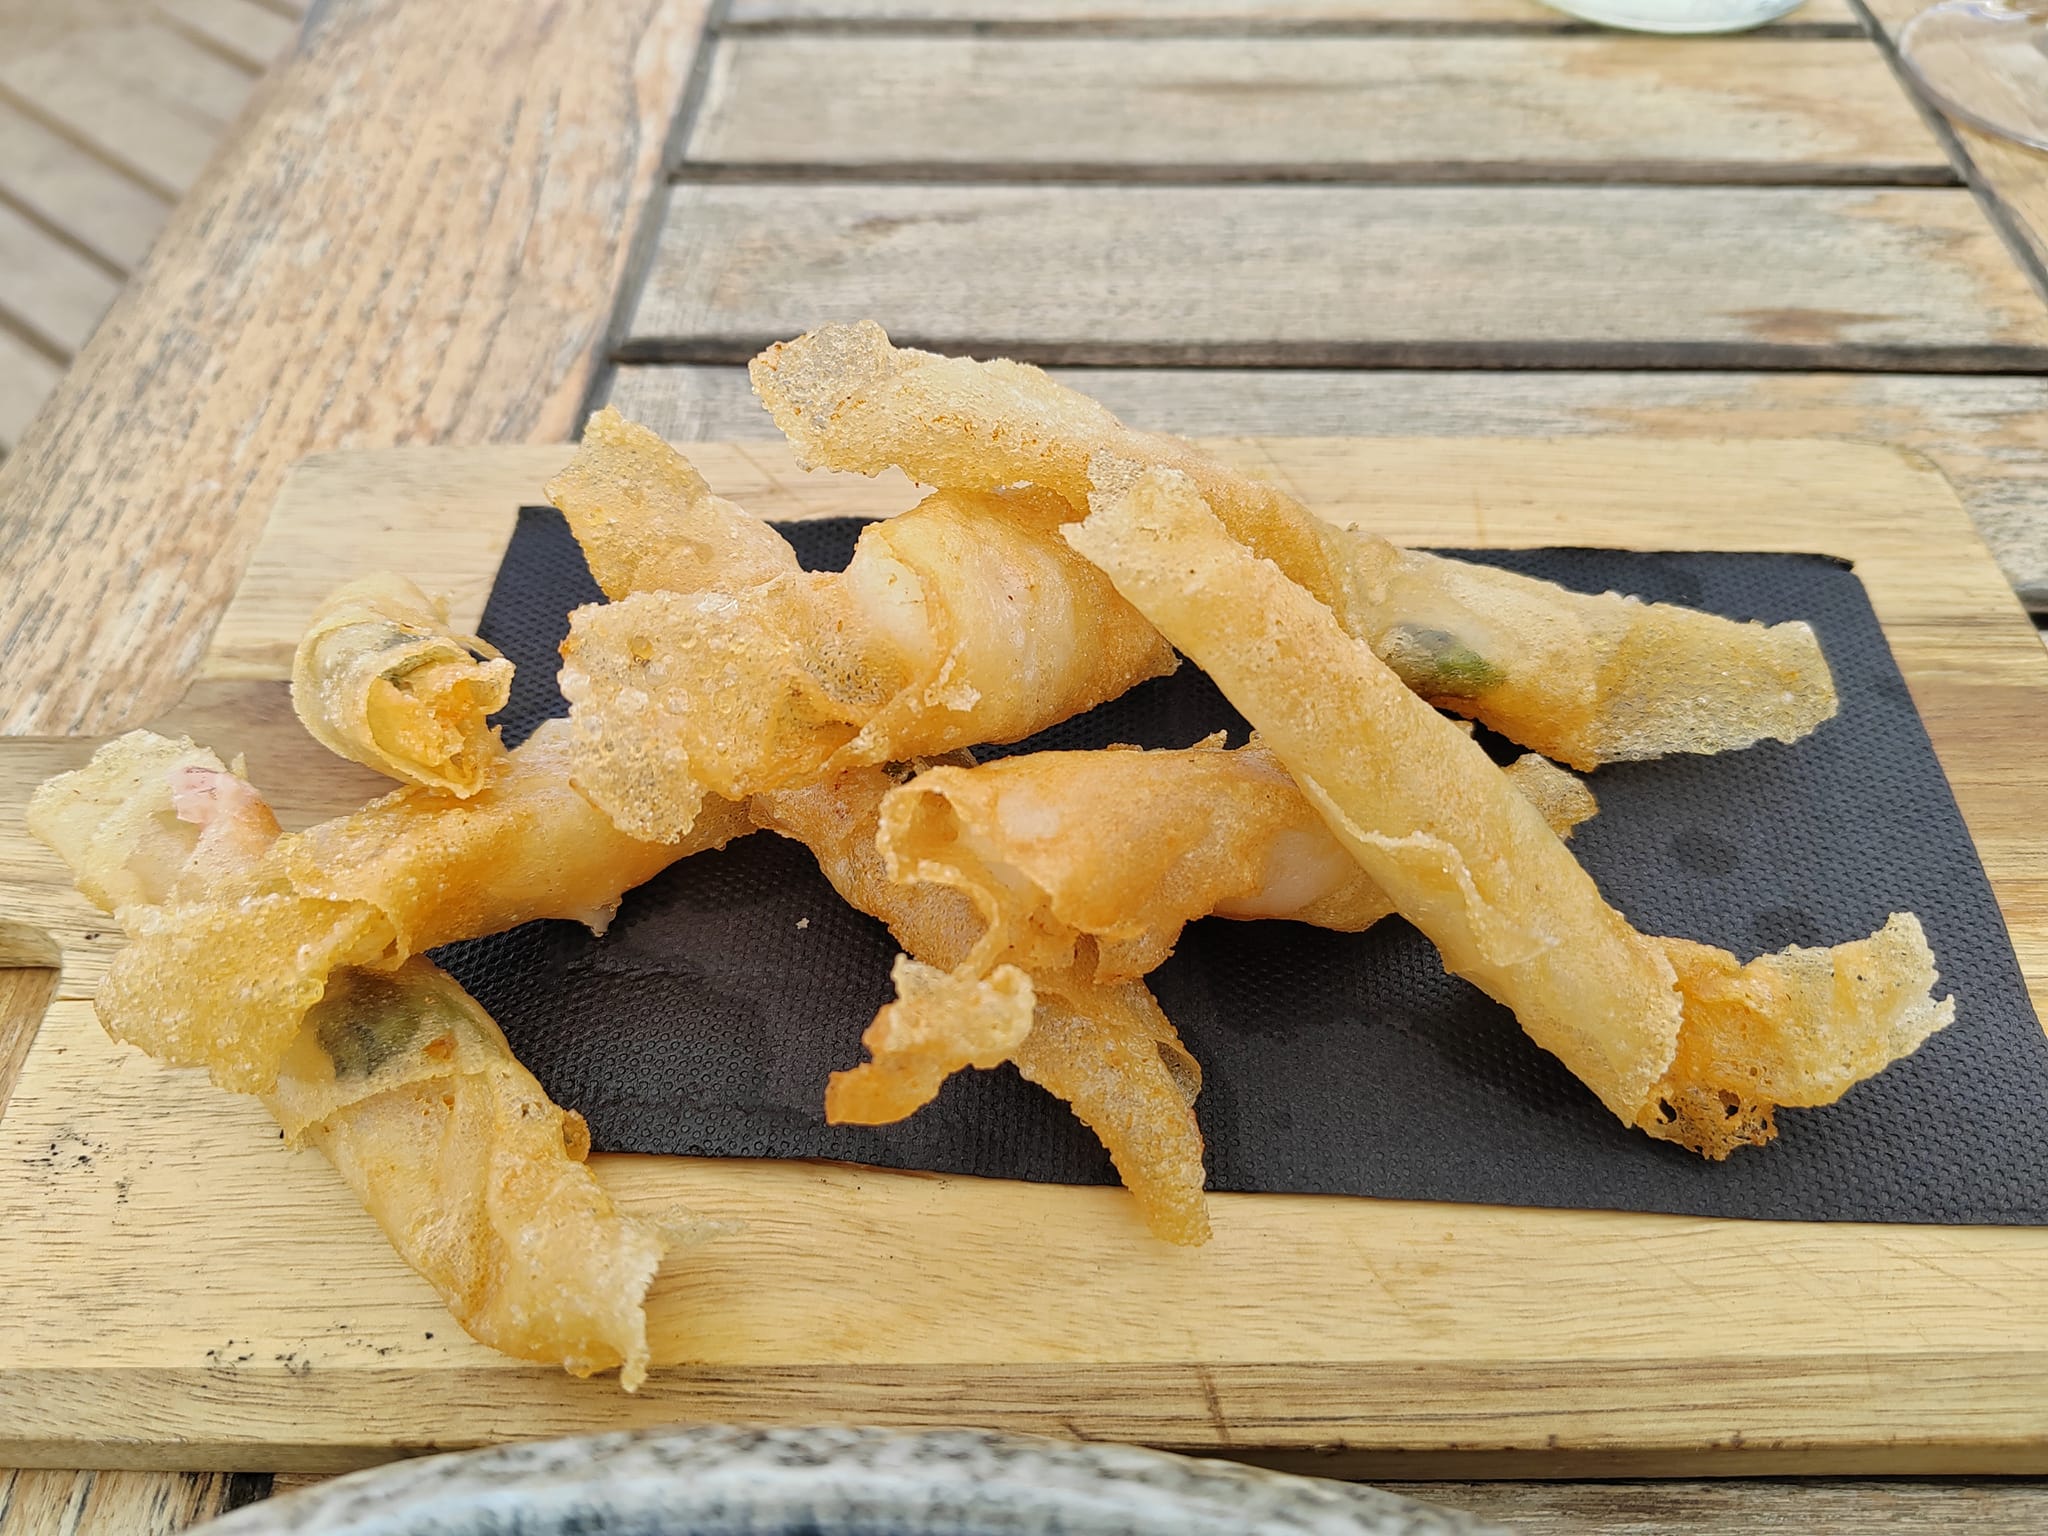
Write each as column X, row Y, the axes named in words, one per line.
column 182, row 1291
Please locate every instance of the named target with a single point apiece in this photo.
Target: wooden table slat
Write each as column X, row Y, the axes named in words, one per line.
column 36, row 1503
column 1989, row 435
column 251, row 35
column 1984, row 432
column 335, row 280
column 153, row 59
column 1530, row 107
column 1747, row 1507
column 1359, row 276
column 133, row 129
column 47, row 290
column 1110, row 13
column 2012, row 174
column 95, row 205
column 1696, row 1507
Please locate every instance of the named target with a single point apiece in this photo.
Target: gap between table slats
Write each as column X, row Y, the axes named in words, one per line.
column 1528, row 107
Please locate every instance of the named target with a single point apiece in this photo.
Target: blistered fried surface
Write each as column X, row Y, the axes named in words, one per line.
column 223, row 982
column 382, row 678
column 113, row 821
column 1004, row 630
column 1586, row 679
column 963, row 621
column 942, row 1022
column 1797, row 1028
column 849, row 400
column 648, row 522
column 1113, row 1057
column 397, row 1074
column 223, row 956
column 1109, row 1052
column 674, row 697
column 527, row 846
column 221, row 967
column 1416, row 801
column 1561, row 799
column 1469, row 862
column 477, row 1178
column 1123, row 848
column 836, row 819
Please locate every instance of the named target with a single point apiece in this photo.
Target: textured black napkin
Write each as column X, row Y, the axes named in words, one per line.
column 707, row 1020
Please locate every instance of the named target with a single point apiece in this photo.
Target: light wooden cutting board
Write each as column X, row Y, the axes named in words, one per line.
column 180, row 1290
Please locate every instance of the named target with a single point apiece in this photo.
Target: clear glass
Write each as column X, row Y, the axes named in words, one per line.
column 1985, row 62
column 1678, row 15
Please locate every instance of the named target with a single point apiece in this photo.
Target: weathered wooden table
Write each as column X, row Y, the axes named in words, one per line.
column 469, row 221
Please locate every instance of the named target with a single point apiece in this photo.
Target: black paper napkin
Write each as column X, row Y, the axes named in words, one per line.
column 707, row 1020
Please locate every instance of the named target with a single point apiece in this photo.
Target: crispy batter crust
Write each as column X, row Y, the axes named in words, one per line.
column 1643, row 1022
column 965, row 620
column 398, row 1075
column 220, row 975
column 1106, row 1049
column 382, row 678
column 1581, row 678
column 1101, row 858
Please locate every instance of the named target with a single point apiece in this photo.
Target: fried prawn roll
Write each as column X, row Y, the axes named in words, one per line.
column 1106, row 1049
column 220, row 974
column 964, row 620
column 402, row 1080
column 1101, row 858
column 1654, row 1027
column 382, row 678
column 1581, row 678
column 648, row 522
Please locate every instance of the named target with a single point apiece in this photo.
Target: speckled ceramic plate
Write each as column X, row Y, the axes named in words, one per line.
column 716, row 1481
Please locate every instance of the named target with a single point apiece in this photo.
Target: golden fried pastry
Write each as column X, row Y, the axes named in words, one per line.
column 1106, row 1049
column 1101, row 858
column 1583, row 679
column 399, row 1077
column 221, row 973
column 964, row 620
column 383, row 679
column 1472, row 864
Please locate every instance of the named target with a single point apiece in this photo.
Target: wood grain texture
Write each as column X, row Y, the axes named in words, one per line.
column 1345, row 1336
column 1988, row 435
column 1677, row 1507
column 1237, row 14
column 249, row 34
column 2017, row 177
column 1752, row 1508
column 1531, row 107
column 108, row 213
column 1359, row 276
column 111, row 1503
column 334, row 281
